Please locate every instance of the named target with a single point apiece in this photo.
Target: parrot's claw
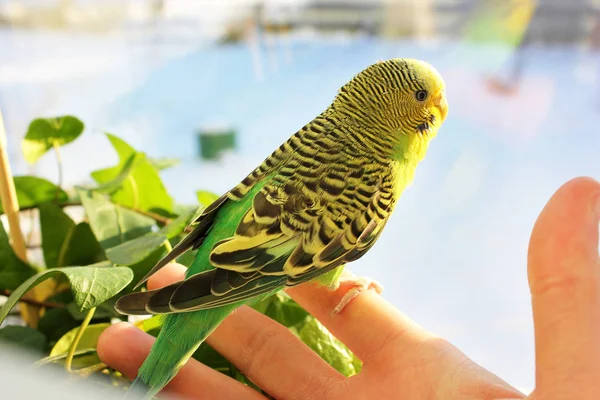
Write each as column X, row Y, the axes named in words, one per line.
column 355, row 287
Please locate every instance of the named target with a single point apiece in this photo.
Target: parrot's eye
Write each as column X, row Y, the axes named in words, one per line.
column 421, row 95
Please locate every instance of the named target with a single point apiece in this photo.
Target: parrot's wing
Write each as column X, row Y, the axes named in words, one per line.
column 262, row 257
column 271, row 248
column 191, row 241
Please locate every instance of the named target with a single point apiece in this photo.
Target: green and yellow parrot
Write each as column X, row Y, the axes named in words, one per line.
column 316, row 203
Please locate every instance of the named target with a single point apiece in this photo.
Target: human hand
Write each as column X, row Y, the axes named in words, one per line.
column 401, row 359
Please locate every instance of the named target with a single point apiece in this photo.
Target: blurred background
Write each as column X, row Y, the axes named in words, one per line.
column 220, row 84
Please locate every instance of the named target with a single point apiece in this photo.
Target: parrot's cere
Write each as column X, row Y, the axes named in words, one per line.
column 316, row 203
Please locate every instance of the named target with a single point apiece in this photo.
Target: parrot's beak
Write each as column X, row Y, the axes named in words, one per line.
column 441, row 104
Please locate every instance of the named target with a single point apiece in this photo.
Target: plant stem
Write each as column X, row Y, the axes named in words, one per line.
column 10, row 205
column 32, row 230
column 168, row 246
column 33, row 302
column 60, row 170
column 77, row 338
column 8, row 193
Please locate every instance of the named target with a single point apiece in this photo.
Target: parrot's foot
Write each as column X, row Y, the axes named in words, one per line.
column 355, row 287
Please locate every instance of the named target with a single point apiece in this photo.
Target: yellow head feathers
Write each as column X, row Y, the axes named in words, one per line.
column 399, row 96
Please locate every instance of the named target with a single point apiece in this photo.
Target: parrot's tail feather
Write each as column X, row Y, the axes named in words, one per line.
column 180, row 336
column 140, row 390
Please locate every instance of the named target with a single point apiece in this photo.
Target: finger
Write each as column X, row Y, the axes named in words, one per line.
column 368, row 325
column 274, row 358
column 564, row 279
column 261, row 348
column 124, row 348
column 170, row 273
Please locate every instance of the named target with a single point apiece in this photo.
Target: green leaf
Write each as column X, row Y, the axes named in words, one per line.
column 164, row 163
column 334, row 352
column 44, row 133
column 13, row 271
column 125, row 172
column 91, row 285
column 89, row 340
column 136, row 250
column 178, row 225
column 57, row 231
column 84, row 248
column 205, row 198
column 111, row 224
column 281, row 308
column 143, row 188
column 65, row 243
column 32, row 191
column 55, row 323
column 23, row 337
column 287, row 312
column 85, row 350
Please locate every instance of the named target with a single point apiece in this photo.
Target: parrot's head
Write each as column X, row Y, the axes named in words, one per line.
column 401, row 96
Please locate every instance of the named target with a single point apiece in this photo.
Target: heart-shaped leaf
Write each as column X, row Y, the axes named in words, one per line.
column 143, row 189
column 65, row 243
column 125, row 172
column 135, row 250
column 91, row 285
column 45, row 133
column 112, row 224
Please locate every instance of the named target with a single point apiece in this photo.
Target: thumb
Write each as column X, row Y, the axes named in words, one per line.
column 564, row 279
